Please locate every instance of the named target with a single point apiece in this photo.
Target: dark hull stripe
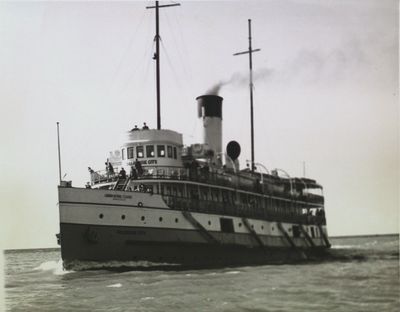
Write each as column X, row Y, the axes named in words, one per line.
column 112, row 243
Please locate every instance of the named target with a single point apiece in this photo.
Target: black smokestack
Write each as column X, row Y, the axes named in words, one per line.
column 212, row 106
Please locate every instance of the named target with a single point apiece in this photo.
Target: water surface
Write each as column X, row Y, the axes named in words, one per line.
column 362, row 275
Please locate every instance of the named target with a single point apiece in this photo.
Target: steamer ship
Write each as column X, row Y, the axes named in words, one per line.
column 190, row 205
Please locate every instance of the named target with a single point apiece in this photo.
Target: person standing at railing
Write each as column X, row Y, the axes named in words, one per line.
column 92, row 174
column 133, row 173
column 138, row 167
column 122, row 173
column 109, row 169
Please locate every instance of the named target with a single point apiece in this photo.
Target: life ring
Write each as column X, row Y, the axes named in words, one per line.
column 91, row 236
column 140, row 204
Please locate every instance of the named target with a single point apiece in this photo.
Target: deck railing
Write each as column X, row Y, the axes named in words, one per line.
column 218, row 178
column 240, row 210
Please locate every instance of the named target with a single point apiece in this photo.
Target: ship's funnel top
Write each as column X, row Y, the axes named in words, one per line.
column 212, row 106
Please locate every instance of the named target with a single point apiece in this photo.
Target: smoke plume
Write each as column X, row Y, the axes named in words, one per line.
column 240, row 80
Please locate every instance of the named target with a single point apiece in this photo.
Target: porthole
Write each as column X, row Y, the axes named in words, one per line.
column 272, row 228
column 160, row 219
column 262, row 227
column 123, row 217
column 142, row 218
column 101, row 216
column 252, row 226
column 176, row 220
column 240, row 224
column 209, row 222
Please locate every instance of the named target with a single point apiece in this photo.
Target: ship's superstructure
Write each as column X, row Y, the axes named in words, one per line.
column 165, row 202
column 182, row 204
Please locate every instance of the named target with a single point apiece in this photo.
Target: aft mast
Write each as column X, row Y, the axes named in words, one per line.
column 157, row 57
column 250, row 53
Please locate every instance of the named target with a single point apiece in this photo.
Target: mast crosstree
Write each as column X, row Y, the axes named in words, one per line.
column 250, row 53
column 157, row 56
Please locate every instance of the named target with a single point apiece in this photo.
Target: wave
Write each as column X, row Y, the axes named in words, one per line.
column 120, row 266
column 118, row 285
column 343, row 246
column 56, row 267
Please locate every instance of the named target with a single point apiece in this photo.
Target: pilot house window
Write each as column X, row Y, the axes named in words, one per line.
column 160, row 150
column 149, row 150
column 129, row 152
column 139, row 152
column 169, row 151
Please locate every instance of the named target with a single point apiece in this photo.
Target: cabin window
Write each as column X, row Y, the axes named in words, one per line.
column 129, row 152
column 139, row 152
column 233, row 197
column 150, row 151
column 204, row 193
column 180, row 191
column 225, row 196
column 161, row 150
column 174, row 190
column 123, row 153
column 169, row 151
column 193, row 191
column 226, row 225
column 175, row 153
column 215, row 194
column 296, row 231
column 243, row 198
column 312, row 232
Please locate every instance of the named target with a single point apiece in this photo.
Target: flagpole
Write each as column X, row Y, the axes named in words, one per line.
column 59, row 153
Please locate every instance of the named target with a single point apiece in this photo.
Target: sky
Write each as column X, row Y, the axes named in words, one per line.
column 325, row 93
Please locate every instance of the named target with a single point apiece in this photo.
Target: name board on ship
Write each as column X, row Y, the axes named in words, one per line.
column 143, row 162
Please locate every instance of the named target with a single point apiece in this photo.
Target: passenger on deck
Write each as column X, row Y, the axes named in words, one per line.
column 92, row 175
column 88, row 186
column 145, row 127
column 135, row 128
column 122, row 173
column 193, row 174
column 109, row 169
column 138, row 167
column 133, row 173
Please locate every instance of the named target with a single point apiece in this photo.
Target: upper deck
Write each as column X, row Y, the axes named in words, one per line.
column 298, row 189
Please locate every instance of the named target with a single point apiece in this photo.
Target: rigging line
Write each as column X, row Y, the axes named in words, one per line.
column 170, row 64
column 130, row 44
column 145, row 60
column 188, row 71
column 174, row 38
column 146, row 74
column 183, row 84
column 134, row 69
